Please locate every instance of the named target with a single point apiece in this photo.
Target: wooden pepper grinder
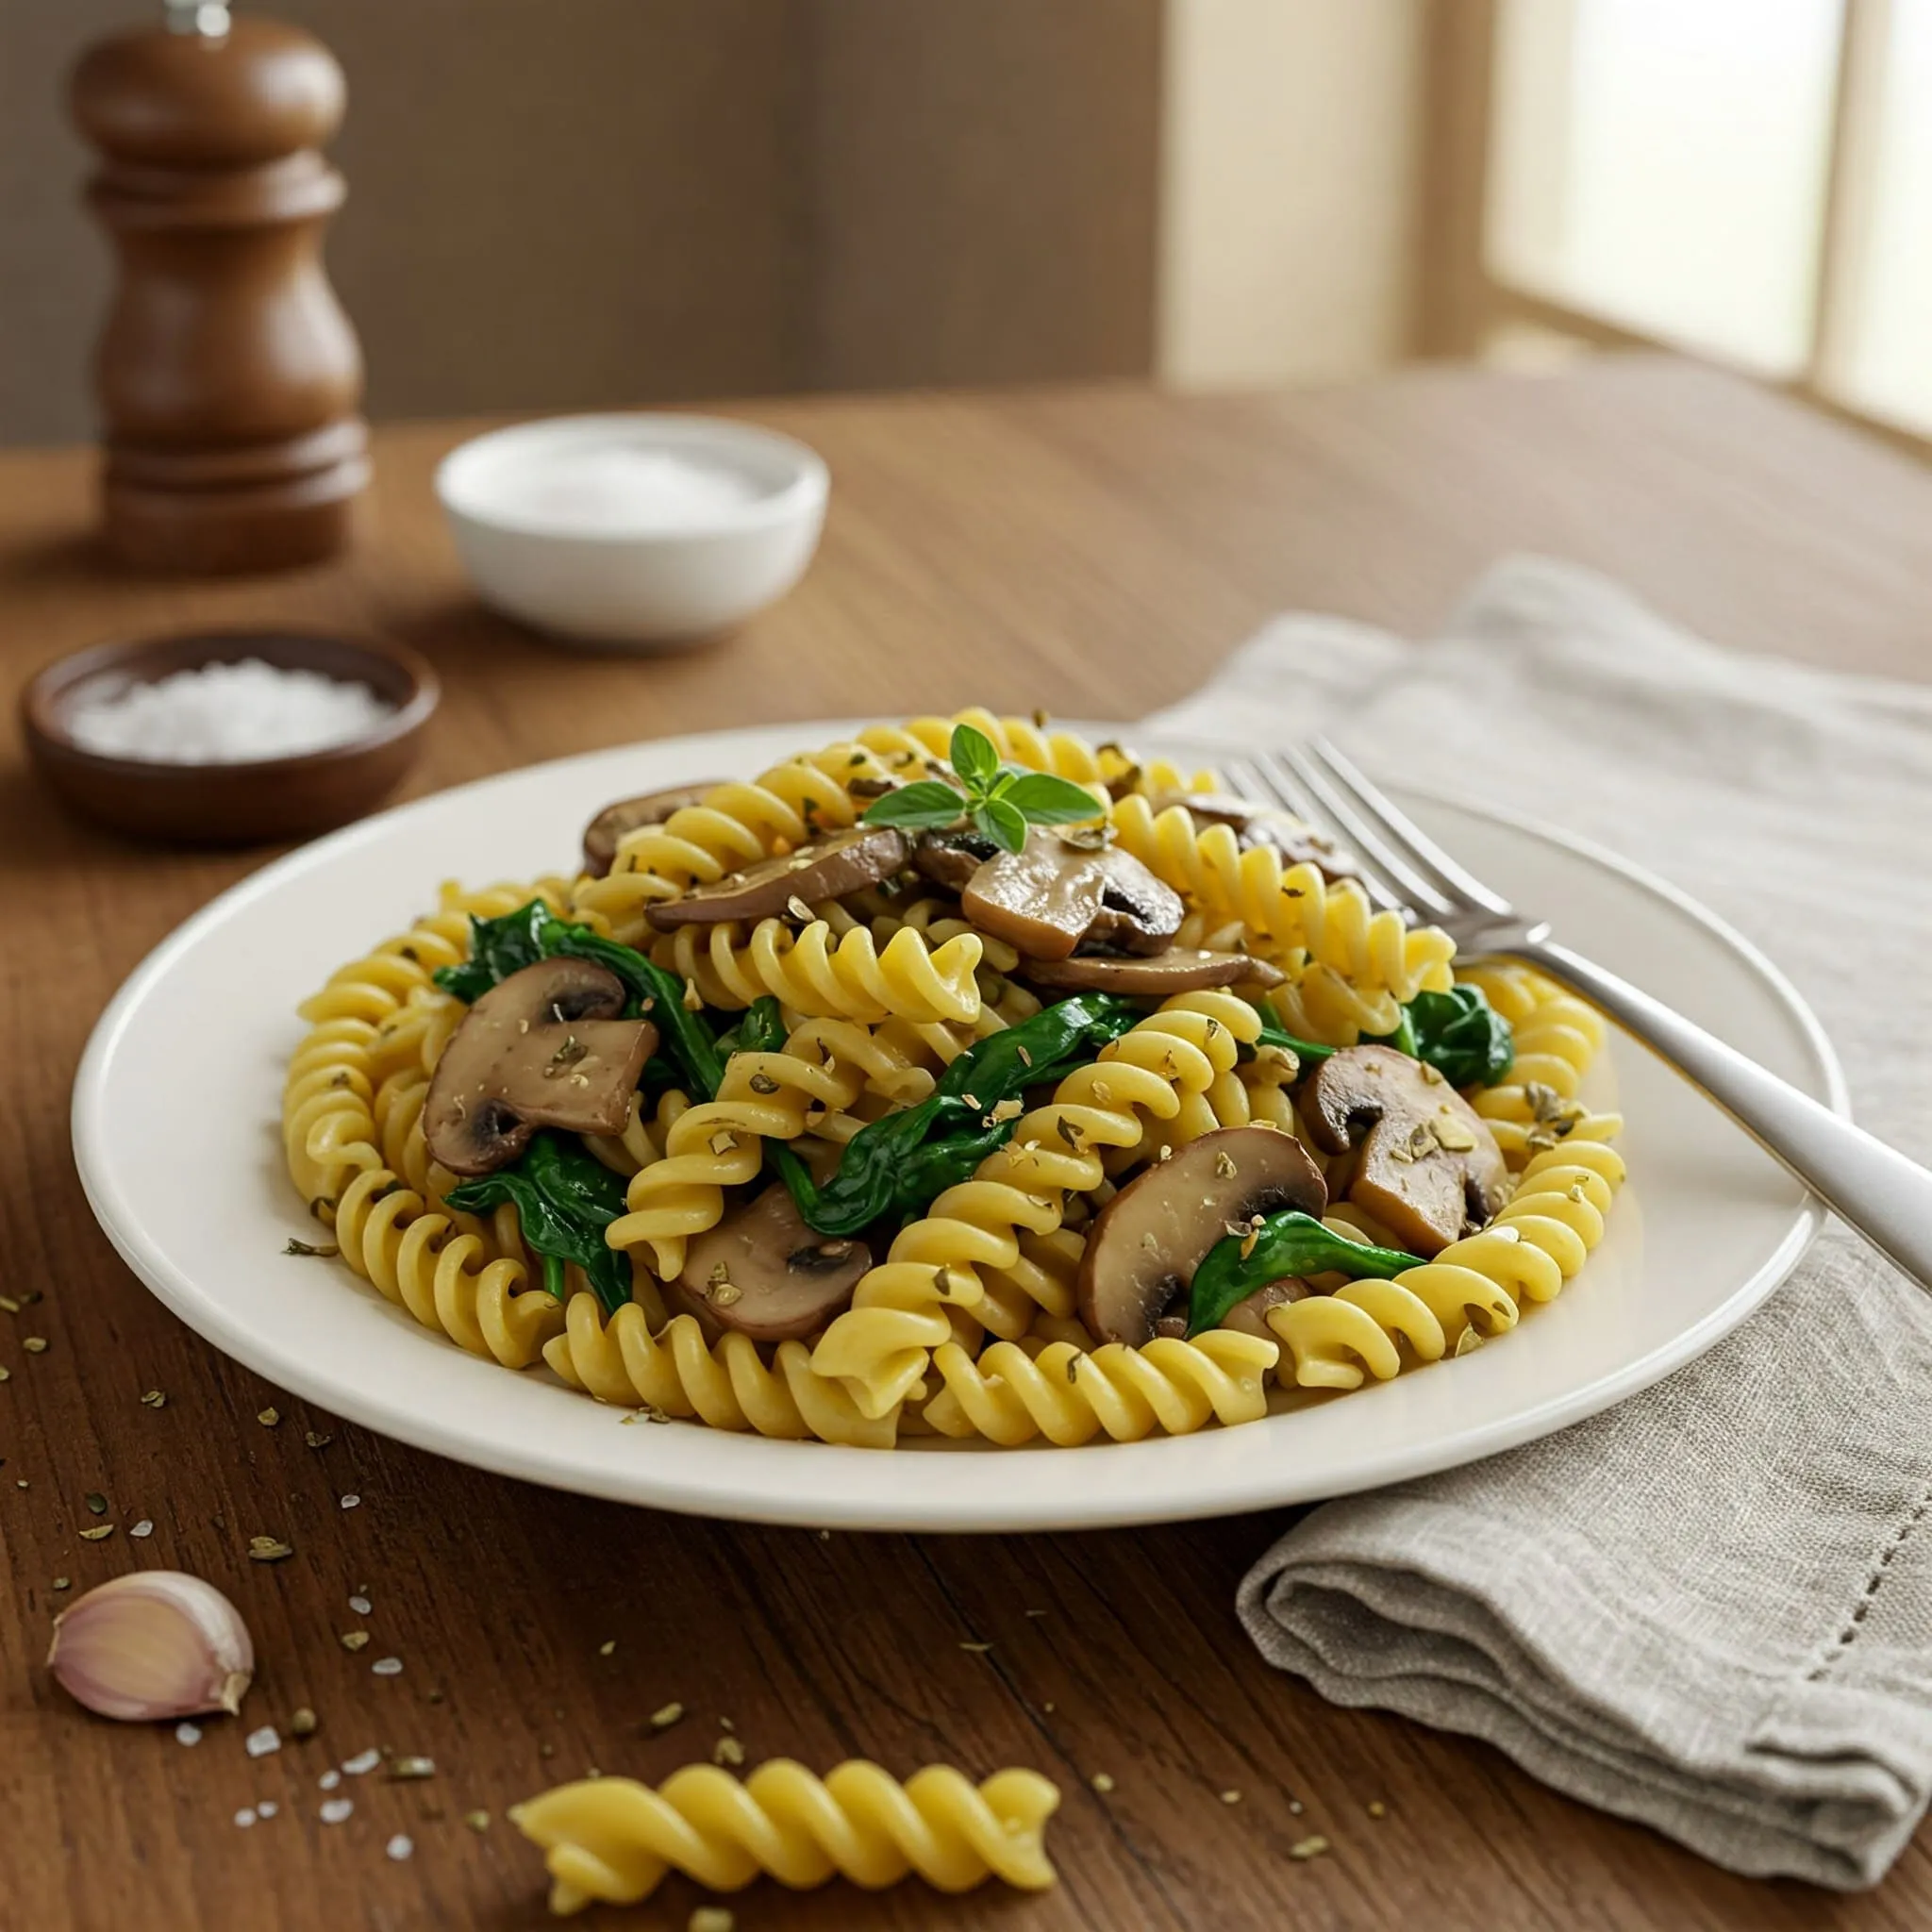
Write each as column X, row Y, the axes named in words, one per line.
column 229, row 376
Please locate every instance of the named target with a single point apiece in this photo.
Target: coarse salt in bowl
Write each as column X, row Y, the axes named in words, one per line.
column 635, row 531
column 228, row 738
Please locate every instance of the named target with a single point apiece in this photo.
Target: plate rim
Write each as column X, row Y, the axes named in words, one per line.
column 639, row 1485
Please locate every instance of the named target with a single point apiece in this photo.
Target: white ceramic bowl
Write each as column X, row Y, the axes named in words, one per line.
column 633, row 530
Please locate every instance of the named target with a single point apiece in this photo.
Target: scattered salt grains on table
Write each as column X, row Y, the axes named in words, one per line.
column 267, row 1808
column 351, row 1502
column 360, row 1604
column 329, row 1779
column 187, row 1733
column 388, row 1667
column 144, row 1527
column 400, row 1846
column 362, row 1761
column 334, row 1810
column 259, row 1743
column 245, row 1817
column 222, row 714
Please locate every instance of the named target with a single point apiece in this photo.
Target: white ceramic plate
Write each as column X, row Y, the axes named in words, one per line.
column 176, row 1135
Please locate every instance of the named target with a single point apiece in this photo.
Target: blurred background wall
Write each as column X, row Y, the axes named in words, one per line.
column 560, row 203
column 557, row 204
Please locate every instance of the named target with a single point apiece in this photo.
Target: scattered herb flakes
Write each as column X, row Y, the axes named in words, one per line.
column 324, row 1248
column 1376, row 1809
column 478, row 1822
column 1308, row 1847
column 1294, row 1804
column 302, row 1723
column 400, row 1846
column 154, row 1399
column 546, row 1750
column 977, row 1649
column 7, row 1303
column 316, row 1439
column 34, row 1344
column 97, row 1503
column 727, row 1750
column 664, row 1718
column 608, row 1647
column 99, row 1533
column 146, row 1527
column 1036, row 1613
column 363, row 1761
column 64, row 1583
column 187, row 1733
column 411, row 1768
column 711, row 1919
column 352, row 1501
column 334, row 1810
column 388, row 1667
column 1230, row 1797
column 725, row 1724
column 260, row 1744
column 1102, row 1783
column 6, row 1373
column 269, row 1417
column 354, row 1640
column 269, row 1549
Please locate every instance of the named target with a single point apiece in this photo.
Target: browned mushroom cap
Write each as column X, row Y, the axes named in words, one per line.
column 1147, row 1243
column 543, row 1048
column 950, row 859
column 607, row 831
column 1064, row 888
column 1264, row 824
column 764, row 1273
column 1427, row 1164
column 1180, row 969
column 827, row 869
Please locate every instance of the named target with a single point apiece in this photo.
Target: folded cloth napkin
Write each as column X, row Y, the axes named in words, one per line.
column 1710, row 1608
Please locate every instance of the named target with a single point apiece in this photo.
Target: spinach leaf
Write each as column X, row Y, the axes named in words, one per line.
column 565, row 1198
column 1302, row 1049
column 1290, row 1242
column 899, row 1163
column 1461, row 1036
column 762, row 1029
column 499, row 947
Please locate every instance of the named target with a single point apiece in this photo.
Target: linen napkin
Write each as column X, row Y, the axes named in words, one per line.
column 1710, row 1608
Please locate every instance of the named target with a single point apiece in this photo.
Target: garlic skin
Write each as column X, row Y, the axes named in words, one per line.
column 157, row 1643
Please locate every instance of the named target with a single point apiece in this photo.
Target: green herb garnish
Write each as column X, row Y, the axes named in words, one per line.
column 998, row 801
column 1461, row 1036
column 1290, row 1242
column 565, row 1198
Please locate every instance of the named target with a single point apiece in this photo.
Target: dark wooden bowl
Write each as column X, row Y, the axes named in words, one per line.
column 233, row 804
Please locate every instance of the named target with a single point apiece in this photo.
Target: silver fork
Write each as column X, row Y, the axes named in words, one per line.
column 1885, row 1197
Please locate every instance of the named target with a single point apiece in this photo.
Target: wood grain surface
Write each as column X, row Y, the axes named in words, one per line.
column 1091, row 551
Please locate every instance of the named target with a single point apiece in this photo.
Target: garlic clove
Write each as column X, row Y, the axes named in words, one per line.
column 157, row 1643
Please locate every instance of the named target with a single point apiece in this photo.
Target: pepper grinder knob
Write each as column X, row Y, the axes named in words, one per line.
column 228, row 377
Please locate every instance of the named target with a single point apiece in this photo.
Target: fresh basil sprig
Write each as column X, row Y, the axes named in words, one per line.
column 998, row 801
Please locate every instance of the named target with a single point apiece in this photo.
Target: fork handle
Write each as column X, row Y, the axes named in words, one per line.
column 1874, row 1188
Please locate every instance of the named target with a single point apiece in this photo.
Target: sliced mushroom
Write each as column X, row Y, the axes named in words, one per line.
column 1180, row 969
column 609, row 829
column 951, row 858
column 1062, row 888
column 827, row 869
column 1147, row 1243
column 1264, row 824
column 1427, row 1165
column 763, row 1272
column 543, row 1048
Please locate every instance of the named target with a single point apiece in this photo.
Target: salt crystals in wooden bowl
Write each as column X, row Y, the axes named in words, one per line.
column 228, row 738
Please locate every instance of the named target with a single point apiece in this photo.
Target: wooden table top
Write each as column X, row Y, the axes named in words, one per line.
column 1093, row 552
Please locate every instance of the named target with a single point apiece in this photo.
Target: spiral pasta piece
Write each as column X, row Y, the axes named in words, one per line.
column 717, row 1144
column 812, row 972
column 676, row 1372
column 941, row 1265
column 1286, row 908
column 1069, row 1395
column 1535, row 1244
column 614, row 1839
column 447, row 1279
